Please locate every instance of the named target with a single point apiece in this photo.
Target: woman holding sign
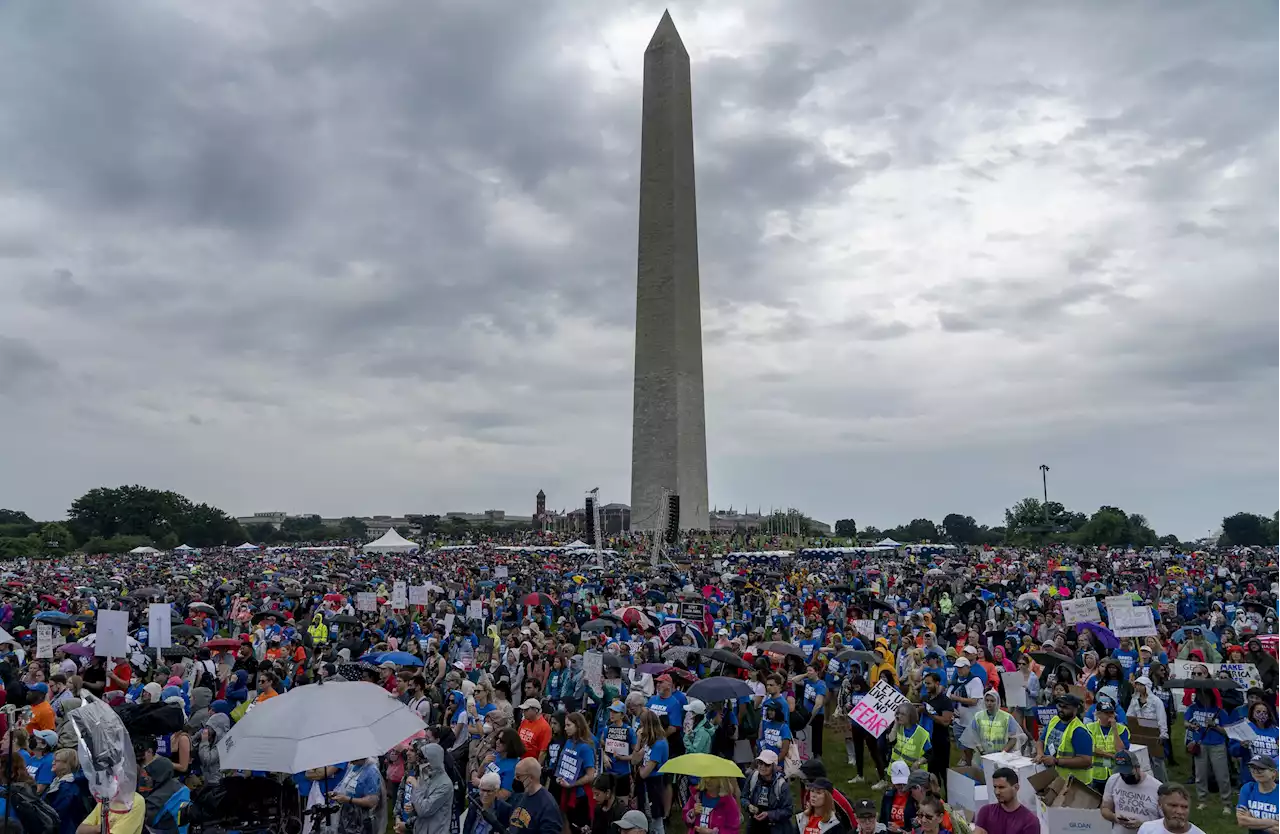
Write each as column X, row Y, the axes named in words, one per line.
column 575, row 770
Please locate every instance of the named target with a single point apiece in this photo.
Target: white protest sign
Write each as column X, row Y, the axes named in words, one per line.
column 113, row 634
column 1080, row 611
column 449, row 620
column 44, row 640
column 159, row 625
column 593, row 670
column 877, row 709
column 1117, row 602
column 500, row 572
column 1136, row 621
column 665, row 633
column 367, row 601
column 418, row 594
column 867, row 628
column 475, row 610
column 1245, row 674
column 399, row 595
column 1015, row 688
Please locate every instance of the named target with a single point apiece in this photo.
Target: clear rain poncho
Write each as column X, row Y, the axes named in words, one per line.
column 106, row 753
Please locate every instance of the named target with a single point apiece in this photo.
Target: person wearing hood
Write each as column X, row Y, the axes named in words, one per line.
column 164, row 794
column 206, row 752
column 432, row 803
column 318, row 631
column 201, row 697
column 238, row 687
column 360, row 797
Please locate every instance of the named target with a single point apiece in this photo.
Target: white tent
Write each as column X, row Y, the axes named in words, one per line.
column 391, row 542
column 247, row 546
column 184, row 547
column 577, row 545
column 144, row 549
column 888, row 543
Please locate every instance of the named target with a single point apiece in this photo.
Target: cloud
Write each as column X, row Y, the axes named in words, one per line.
column 361, row 257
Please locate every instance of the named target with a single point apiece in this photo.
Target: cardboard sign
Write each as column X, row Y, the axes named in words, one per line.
column 418, row 595
column 449, row 620
column 877, row 709
column 475, row 610
column 1245, row 674
column 1015, row 688
column 367, row 601
column 500, row 572
column 1135, row 621
column 1080, row 611
column 159, row 625
column 399, row 595
column 44, row 640
column 667, row 631
column 867, row 628
column 593, row 670
column 113, row 634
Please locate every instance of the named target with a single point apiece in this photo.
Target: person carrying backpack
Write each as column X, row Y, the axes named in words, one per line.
column 19, row 800
column 165, row 796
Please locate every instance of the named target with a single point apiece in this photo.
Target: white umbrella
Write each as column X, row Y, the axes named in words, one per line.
column 318, row 725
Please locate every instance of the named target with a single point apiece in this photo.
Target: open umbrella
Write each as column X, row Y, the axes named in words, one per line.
column 76, row 649
column 222, row 644
column 149, row 592
column 346, row 619
column 176, row 651
column 313, row 726
column 398, row 658
column 857, row 656
column 537, row 598
column 778, row 647
column 611, row 661
column 186, row 631
column 726, row 657
column 701, row 765
column 599, row 624
column 679, row 652
column 56, row 618
column 1221, row 684
column 1052, row 661
column 719, row 688
column 1105, row 636
column 203, row 608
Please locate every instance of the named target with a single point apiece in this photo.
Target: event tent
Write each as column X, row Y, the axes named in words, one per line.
column 247, row 546
column 577, row 545
column 184, row 547
column 144, row 549
column 391, row 542
column 888, row 543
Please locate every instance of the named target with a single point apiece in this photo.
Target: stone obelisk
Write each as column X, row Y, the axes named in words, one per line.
column 669, row 431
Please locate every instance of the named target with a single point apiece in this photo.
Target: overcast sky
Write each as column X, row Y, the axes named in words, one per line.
column 379, row 257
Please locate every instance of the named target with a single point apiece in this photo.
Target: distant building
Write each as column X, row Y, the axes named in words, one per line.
column 614, row 519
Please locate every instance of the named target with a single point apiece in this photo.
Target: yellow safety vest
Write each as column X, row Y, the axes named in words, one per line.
column 1064, row 750
column 909, row 747
column 993, row 730
column 1104, row 743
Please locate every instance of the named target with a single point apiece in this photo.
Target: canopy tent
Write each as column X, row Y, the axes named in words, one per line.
column 391, row 542
column 888, row 543
column 247, row 546
column 144, row 549
column 577, row 545
column 184, row 547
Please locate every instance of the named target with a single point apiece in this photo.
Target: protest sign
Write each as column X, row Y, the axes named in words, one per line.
column 1015, row 688
column 400, row 595
column 366, row 601
column 159, row 625
column 418, row 594
column 113, row 634
column 475, row 610
column 1135, row 621
column 867, row 628
column 593, row 670
column 44, row 640
column 449, row 620
column 1083, row 610
column 693, row 611
column 666, row 631
column 876, row 711
column 500, row 572
column 1245, row 674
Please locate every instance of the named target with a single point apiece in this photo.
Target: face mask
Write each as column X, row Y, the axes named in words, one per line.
column 1130, row 778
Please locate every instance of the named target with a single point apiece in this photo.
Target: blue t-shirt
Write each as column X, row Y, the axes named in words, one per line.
column 672, row 707
column 812, row 689
column 39, row 767
column 1128, row 660
column 1198, row 717
column 506, row 770
column 658, row 754
column 772, row 734
column 576, row 758
column 618, row 743
column 1262, row 805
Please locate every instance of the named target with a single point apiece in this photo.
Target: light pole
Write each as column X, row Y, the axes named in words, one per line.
column 1044, row 481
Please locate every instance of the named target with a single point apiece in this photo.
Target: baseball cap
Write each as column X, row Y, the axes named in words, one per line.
column 1146, row 649
column 663, row 677
column 768, row 757
column 532, row 703
column 919, row 778
column 1068, row 700
column 1123, row 762
column 696, row 706
column 633, row 820
column 822, row 783
column 1263, row 761
column 617, row 706
column 899, row 773
column 865, row 808
column 1106, row 705
column 49, row 737
column 970, row 650
column 963, row 661
column 39, row 687
column 1144, row 680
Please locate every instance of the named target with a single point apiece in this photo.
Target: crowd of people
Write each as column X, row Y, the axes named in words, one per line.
column 561, row 690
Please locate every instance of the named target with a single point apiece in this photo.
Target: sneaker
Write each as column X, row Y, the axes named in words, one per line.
column 857, row 780
column 1202, row 806
column 1227, row 812
column 879, row 786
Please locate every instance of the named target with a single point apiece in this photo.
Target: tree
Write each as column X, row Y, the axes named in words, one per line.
column 353, row 528
column 872, row 534
column 1169, row 541
column 56, row 536
column 429, row 524
column 960, row 529
column 1246, row 530
column 921, row 530
column 14, row 517
column 1108, row 526
column 847, row 528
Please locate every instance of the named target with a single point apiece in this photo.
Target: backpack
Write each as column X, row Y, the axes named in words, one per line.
column 36, row 816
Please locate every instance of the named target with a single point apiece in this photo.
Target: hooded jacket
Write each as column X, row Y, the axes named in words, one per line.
column 207, row 752
column 201, row 698
column 163, row 788
column 433, row 795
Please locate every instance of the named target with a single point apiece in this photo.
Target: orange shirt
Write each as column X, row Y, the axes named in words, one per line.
column 536, row 736
column 42, row 717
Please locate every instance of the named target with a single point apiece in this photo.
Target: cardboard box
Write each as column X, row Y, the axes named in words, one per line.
column 1065, row 806
column 1142, row 754
column 1072, row 821
column 1024, row 767
column 967, row 788
column 1148, row 737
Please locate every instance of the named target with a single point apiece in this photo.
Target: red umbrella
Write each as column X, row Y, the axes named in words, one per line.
column 537, row 599
column 334, row 597
column 50, row 598
column 222, row 644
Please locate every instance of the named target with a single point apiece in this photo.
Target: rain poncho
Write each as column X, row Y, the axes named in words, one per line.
column 433, row 796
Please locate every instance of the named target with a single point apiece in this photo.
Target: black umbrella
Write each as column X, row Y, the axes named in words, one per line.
column 185, row 630
column 877, row 605
column 1052, row 661
column 1220, row 684
column 265, row 613
column 202, row 607
column 779, row 647
column 293, row 594
column 598, row 625
column 839, row 589
column 176, row 651
column 612, row 661
column 612, row 617
column 149, row 591
column 315, row 587
column 856, row 656
column 346, row 619
column 726, row 657
column 719, row 688
column 970, row 604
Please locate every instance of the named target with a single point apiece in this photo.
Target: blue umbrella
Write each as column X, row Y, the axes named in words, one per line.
column 398, row 658
column 1105, row 636
column 53, row 618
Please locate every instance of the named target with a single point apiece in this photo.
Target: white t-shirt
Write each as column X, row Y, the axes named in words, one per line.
column 1135, row 801
column 1157, row 827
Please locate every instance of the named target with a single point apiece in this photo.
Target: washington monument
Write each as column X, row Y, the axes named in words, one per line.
column 669, row 431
